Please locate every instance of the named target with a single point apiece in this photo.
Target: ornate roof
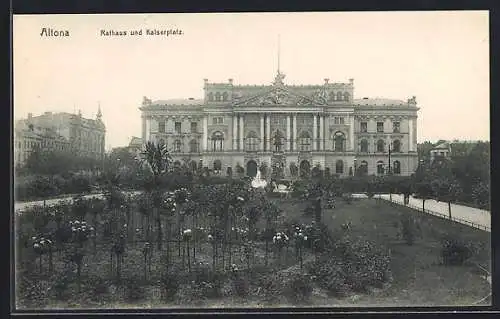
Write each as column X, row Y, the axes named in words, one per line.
column 442, row 146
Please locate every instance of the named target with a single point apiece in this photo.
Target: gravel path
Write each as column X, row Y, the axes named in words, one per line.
column 475, row 217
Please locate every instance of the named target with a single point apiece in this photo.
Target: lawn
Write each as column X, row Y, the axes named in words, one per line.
column 419, row 278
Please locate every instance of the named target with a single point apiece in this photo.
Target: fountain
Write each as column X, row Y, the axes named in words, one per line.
column 258, row 182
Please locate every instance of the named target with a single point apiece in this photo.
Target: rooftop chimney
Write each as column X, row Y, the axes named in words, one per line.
column 230, row 81
column 326, row 81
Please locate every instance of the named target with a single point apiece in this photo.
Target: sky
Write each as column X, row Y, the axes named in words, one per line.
column 441, row 57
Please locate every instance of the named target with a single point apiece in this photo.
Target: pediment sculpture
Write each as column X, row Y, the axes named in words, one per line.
column 280, row 96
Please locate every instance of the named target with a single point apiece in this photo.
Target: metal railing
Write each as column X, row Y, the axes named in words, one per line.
column 441, row 215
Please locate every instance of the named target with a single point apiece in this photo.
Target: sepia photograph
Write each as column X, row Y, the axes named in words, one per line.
column 251, row 160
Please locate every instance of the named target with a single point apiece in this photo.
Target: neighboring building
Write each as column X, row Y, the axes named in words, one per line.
column 28, row 137
column 85, row 136
column 440, row 151
column 281, row 124
column 135, row 145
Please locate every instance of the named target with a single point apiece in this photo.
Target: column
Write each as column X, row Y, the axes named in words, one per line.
column 148, row 128
column 410, row 135
column 205, row 133
column 288, row 130
column 235, row 132
column 315, row 131
column 351, row 134
column 295, row 132
column 321, row 130
column 262, row 132
column 242, row 133
column 144, row 128
column 268, row 129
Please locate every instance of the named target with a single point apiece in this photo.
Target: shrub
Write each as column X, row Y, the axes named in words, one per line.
column 299, row 289
column 240, row 284
column 351, row 263
column 409, row 229
column 97, row 287
column 347, row 198
column 455, row 252
column 329, row 274
column 60, row 285
column 134, row 289
column 169, row 285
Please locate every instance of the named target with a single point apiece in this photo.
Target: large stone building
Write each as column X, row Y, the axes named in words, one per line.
column 279, row 124
column 28, row 137
column 83, row 137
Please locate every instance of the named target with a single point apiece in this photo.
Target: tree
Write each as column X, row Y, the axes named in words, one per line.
column 424, row 191
column 446, row 190
column 423, row 151
column 158, row 160
column 50, row 162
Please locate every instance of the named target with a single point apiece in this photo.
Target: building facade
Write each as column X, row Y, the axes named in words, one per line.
column 441, row 151
column 86, row 137
column 284, row 126
column 28, row 137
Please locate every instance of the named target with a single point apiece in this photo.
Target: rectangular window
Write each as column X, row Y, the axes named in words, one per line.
column 395, row 127
column 339, row 120
column 380, row 127
column 364, row 127
column 194, row 127
column 161, row 127
column 178, row 127
column 218, row 120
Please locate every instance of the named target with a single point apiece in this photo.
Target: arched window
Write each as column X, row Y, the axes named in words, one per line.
column 304, row 141
column 339, row 142
column 380, row 146
column 339, row 96
column 396, row 167
column 380, row 168
column 217, row 141
column 210, row 97
column 193, row 146
column 364, row 146
column 224, row 96
column 177, row 146
column 346, row 96
column 396, row 146
column 251, row 142
column 217, row 96
column 339, row 167
column 217, row 165
column 363, row 168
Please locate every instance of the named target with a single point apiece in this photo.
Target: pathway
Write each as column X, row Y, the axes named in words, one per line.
column 474, row 217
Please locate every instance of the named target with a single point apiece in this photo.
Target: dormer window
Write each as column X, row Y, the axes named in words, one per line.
column 339, row 96
column 224, row 96
column 217, row 96
column 346, row 96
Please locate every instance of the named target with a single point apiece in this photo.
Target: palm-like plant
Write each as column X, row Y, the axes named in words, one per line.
column 158, row 159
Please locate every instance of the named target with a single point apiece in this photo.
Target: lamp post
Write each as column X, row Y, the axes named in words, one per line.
column 355, row 165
